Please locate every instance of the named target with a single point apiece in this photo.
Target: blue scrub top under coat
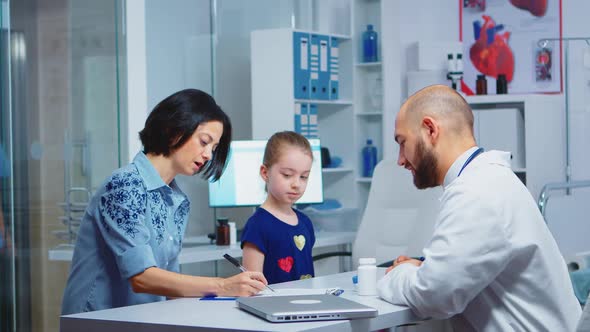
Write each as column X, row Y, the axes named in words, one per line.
column 133, row 222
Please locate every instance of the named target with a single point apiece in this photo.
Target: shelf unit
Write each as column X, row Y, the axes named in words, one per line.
column 273, row 103
column 344, row 124
column 367, row 91
column 369, row 64
column 522, row 121
column 337, row 170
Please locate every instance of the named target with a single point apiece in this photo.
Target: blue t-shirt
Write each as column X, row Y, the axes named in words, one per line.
column 286, row 248
column 133, row 222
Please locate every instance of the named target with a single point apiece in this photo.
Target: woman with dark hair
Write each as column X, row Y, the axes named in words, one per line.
column 131, row 234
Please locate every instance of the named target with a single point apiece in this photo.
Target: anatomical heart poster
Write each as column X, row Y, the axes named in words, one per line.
column 502, row 37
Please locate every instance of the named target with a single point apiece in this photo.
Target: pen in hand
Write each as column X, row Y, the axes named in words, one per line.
column 239, row 266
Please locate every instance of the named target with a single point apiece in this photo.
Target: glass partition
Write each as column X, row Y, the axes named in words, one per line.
column 59, row 138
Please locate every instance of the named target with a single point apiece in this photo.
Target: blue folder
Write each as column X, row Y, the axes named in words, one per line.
column 314, row 67
column 301, row 65
column 324, row 72
column 334, row 68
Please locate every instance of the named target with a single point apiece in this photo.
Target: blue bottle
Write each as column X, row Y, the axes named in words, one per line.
column 369, row 158
column 370, row 44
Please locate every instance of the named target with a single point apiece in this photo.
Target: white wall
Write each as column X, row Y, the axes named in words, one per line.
column 567, row 215
column 133, row 119
column 409, row 23
column 181, row 53
column 178, row 55
column 235, row 20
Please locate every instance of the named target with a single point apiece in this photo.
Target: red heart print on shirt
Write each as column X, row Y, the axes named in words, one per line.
column 286, row 264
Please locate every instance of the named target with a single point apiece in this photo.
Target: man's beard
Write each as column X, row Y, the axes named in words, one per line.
column 425, row 171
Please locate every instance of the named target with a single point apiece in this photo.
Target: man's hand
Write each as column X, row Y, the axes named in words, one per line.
column 403, row 260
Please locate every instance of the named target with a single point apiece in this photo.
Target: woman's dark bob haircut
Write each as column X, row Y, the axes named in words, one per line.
column 174, row 120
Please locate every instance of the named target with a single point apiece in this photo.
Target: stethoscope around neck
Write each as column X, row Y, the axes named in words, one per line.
column 470, row 159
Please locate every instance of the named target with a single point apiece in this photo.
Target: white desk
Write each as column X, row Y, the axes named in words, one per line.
column 190, row 314
column 198, row 249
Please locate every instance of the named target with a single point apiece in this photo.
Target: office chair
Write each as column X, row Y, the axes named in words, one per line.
column 584, row 322
column 398, row 219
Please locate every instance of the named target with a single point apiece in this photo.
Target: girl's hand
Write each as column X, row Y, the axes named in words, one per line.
column 243, row 284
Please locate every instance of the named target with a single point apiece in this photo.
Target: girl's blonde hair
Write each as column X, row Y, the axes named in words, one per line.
column 278, row 141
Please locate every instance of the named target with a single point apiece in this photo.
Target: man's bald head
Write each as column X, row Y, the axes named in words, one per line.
column 443, row 104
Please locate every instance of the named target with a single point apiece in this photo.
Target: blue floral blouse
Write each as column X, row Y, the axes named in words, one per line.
column 133, row 222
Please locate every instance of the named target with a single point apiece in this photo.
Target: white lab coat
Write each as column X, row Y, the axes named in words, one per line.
column 492, row 263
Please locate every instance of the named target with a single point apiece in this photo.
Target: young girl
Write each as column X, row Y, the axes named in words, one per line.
column 278, row 239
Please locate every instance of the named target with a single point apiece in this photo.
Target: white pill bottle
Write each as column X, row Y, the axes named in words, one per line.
column 367, row 277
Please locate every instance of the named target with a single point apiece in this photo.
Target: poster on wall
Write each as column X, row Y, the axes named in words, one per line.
column 501, row 37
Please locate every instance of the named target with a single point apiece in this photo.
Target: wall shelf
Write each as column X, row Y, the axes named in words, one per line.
column 368, row 65
column 372, row 113
column 522, row 120
column 339, row 36
column 336, row 170
column 277, row 106
column 324, row 102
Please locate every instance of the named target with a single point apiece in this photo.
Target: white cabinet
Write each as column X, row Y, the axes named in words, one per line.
column 502, row 129
column 531, row 127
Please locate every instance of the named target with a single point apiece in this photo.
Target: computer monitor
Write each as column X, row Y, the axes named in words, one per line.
column 241, row 184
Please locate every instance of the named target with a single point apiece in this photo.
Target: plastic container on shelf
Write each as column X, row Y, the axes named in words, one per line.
column 459, row 63
column 338, row 219
column 451, row 68
column 376, row 94
column 369, row 158
column 233, row 233
column 501, row 85
column 370, row 45
column 222, row 238
column 481, row 85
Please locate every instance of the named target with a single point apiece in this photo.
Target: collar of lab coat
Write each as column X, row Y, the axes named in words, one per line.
column 455, row 168
column 496, row 157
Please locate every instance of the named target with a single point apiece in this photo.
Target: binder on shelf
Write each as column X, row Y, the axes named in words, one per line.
column 301, row 65
column 312, row 121
column 297, row 118
column 314, row 67
column 324, row 73
column 304, row 120
column 334, row 68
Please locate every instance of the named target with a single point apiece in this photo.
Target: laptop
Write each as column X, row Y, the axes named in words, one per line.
column 298, row 308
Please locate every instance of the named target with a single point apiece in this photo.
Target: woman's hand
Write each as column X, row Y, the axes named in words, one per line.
column 243, row 284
